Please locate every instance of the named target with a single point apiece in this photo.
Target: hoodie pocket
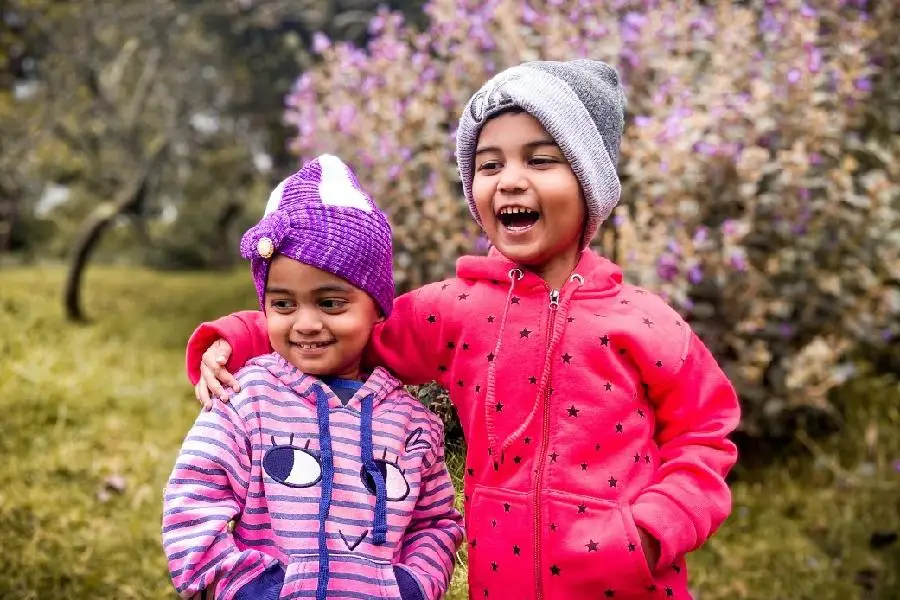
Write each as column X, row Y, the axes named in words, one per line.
column 348, row 576
column 592, row 547
column 300, row 577
column 501, row 544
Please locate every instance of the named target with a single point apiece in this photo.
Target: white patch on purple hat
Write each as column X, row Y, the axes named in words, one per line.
column 275, row 198
column 337, row 187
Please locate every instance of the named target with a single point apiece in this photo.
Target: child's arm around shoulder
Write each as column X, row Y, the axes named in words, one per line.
column 407, row 342
column 206, row 490
column 696, row 408
column 428, row 551
column 244, row 331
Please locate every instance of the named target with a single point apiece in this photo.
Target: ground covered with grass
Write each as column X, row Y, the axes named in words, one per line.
column 93, row 416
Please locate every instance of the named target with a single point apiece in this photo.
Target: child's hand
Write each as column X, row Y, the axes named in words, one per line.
column 213, row 374
column 651, row 549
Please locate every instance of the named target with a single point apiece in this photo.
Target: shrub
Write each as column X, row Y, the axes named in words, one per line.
column 760, row 165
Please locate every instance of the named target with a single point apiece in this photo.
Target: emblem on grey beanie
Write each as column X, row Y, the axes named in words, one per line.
column 492, row 97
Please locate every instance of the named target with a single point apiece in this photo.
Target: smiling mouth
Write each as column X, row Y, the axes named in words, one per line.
column 351, row 546
column 311, row 345
column 517, row 218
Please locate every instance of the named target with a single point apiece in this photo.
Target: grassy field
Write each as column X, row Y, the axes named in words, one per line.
column 92, row 418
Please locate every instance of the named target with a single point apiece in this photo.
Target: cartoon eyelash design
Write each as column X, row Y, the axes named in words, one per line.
column 397, row 487
column 292, row 465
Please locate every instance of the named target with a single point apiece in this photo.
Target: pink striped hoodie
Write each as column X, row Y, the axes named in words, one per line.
column 291, row 492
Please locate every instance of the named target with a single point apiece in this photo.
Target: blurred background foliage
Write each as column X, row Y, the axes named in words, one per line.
column 761, row 197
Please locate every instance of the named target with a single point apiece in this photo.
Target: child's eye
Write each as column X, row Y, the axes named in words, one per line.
column 332, row 304
column 542, row 161
column 489, row 165
column 282, row 305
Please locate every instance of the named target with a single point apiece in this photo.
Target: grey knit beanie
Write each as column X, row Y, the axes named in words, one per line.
column 580, row 103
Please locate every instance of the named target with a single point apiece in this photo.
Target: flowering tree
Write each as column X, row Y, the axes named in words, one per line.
column 761, row 177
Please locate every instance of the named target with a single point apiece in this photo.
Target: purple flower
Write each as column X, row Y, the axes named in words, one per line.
column 447, row 101
column 321, row 43
column 642, row 121
column 618, row 220
column 695, row 274
column 738, row 262
column 346, row 116
column 428, row 188
column 704, row 148
column 814, row 60
column 667, row 267
column 807, row 11
column 863, row 84
column 367, row 159
column 793, row 76
column 482, row 244
column 529, row 15
column 700, row 235
column 786, row 330
column 729, row 227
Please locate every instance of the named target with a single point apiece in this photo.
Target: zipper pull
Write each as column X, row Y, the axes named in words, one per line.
column 554, row 299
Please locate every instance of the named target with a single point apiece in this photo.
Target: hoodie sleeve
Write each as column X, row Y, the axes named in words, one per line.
column 206, row 490
column 689, row 499
column 245, row 332
column 428, row 550
column 407, row 342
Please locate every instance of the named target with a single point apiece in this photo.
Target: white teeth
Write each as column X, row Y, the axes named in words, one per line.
column 312, row 346
column 515, row 210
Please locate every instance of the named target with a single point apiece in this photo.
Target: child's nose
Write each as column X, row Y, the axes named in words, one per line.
column 307, row 321
column 512, row 178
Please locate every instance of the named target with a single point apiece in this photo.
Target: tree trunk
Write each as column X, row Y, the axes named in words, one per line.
column 229, row 213
column 131, row 196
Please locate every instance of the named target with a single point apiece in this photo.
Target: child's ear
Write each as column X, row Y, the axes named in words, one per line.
column 380, row 318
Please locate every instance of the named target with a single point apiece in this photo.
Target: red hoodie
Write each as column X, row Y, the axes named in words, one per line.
column 588, row 411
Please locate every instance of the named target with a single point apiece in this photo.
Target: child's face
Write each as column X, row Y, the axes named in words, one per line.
column 317, row 321
column 527, row 196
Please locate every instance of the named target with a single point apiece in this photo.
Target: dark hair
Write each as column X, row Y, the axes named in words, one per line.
column 509, row 110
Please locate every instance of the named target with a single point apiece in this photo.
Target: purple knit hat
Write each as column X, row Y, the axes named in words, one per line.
column 321, row 217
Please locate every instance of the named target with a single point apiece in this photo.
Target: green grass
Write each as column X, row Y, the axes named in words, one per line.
column 87, row 407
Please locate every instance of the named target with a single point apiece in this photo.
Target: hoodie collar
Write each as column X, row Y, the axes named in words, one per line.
column 601, row 276
column 379, row 385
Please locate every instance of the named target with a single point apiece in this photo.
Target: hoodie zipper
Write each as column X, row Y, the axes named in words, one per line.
column 545, row 434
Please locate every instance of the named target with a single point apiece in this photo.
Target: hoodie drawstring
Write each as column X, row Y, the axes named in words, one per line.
column 379, row 522
column 514, row 276
column 544, row 381
column 326, row 459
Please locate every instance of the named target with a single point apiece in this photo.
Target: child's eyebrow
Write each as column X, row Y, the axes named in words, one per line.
column 329, row 287
column 334, row 287
column 277, row 290
column 532, row 144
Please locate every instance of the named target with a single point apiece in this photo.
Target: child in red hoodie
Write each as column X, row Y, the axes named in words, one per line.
column 596, row 420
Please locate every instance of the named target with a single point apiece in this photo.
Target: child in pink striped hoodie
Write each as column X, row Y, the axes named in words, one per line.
column 596, row 421
column 316, row 480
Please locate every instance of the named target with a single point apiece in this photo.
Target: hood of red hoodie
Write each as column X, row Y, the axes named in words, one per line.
column 601, row 277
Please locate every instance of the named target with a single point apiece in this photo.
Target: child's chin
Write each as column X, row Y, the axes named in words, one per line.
column 318, row 366
column 522, row 253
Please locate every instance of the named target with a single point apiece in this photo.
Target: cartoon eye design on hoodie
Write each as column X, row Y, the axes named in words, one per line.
column 396, row 486
column 292, row 465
